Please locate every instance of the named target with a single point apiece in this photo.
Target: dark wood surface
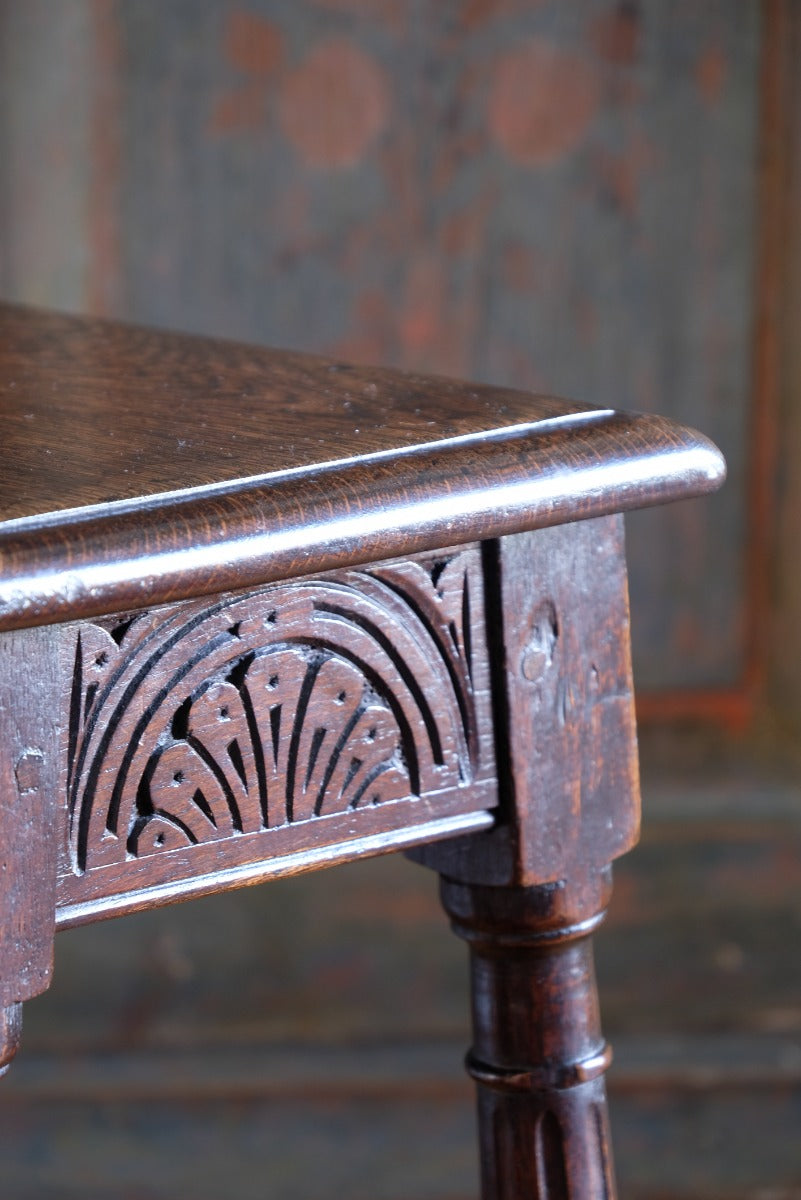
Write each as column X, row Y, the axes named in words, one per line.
column 102, row 420
column 31, row 811
column 538, row 1056
column 214, row 744
column 96, row 412
column 166, row 751
column 567, row 750
column 528, row 894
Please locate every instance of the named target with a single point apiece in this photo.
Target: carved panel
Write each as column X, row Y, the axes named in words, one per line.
column 212, row 720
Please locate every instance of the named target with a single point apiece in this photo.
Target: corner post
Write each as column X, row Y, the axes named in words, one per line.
column 31, row 810
column 538, row 1054
column 527, row 895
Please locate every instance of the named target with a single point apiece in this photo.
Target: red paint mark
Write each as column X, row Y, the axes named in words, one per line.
column 372, row 336
column 710, row 75
column 256, row 48
column 616, row 35
column 736, row 708
column 543, row 101
column 403, row 222
column 420, row 320
column 238, row 111
column 360, row 347
column 731, row 708
column 472, row 14
column 374, row 309
column 252, row 44
column 463, row 138
column 620, row 175
column 462, row 232
column 624, row 90
column 462, row 235
column 478, row 12
column 436, row 327
column 508, row 362
column 334, row 105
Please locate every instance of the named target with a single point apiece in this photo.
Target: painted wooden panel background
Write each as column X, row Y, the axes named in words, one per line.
column 547, row 194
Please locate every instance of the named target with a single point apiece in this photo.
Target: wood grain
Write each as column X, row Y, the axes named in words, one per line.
column 98, row 414
column 567, row 756
column 538, row 1054
column 528, row 894
column 210, row 743
column 30, row 812
column 207, row 745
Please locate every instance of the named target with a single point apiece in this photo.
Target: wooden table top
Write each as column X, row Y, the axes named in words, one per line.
column 140, row 466
column 95, row 412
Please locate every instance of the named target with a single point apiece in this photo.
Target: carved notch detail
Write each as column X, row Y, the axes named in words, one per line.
column 201, row 722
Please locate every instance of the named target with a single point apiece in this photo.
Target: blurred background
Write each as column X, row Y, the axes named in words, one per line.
column 597, row 198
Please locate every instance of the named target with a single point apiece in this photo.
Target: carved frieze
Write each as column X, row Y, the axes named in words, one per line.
column 206, row 721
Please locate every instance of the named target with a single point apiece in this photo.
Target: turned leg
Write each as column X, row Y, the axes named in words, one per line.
column 528, row 894
column 538, row 1054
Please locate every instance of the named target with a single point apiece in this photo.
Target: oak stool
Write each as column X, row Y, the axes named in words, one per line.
column 261, row 613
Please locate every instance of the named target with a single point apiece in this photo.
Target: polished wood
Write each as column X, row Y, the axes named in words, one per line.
column 528, row 894
column 299, row 725
column 96, row 412
column 30, row 682
column 217, row 669
column 564, row 697
column 538, row 1054
column 144, row 468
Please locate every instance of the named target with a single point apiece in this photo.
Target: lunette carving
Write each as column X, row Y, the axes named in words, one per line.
column 205, row 721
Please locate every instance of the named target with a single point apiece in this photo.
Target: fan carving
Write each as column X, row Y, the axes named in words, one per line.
column 207, row 721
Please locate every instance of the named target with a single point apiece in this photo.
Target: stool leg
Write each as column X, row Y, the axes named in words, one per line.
column 527, row 894
column 538, row 1055
column 32, row 817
